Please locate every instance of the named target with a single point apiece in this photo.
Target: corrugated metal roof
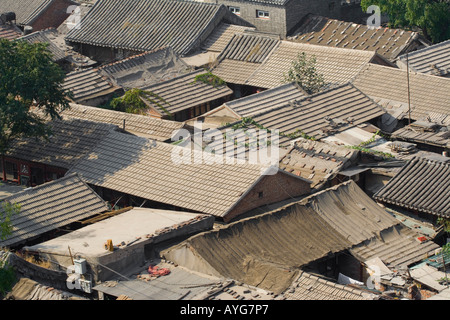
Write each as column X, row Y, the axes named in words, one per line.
column 70, row 141
column 178, row 284
column 185, row 91
column 422, row 184
column 145, row 169
column 50, row 206
column 428, row 94
column 26, row 10
column 434, row 60
column 144, row 25
column 140, row 125
column 389, row 43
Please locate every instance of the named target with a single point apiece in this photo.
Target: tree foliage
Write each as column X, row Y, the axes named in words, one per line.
column 29, row 79
column 431, row 16
column 133, row 101
column 7, row 210
column 303, row 72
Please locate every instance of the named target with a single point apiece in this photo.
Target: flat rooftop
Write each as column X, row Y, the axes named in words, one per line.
column 131, row 226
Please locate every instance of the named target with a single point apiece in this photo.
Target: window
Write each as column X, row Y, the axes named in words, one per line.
column 262, row 14
column 331, row 6
column 260, row 194
column 235, row 10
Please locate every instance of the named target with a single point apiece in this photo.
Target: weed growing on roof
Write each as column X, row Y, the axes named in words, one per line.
column 304, row 73
column 136, row 101
column 209, row 78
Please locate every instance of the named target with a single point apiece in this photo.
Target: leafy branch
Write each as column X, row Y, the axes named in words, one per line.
column 210, row 79
column 133, row 101
column 7, row 210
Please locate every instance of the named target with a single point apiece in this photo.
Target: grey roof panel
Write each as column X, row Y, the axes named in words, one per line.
column 52, row 205
column 422, row 184
column 143, row 25
column 41, row 37
column 147, row 169
column 389, row 43
column 428, row 94
column 26, row 10
column 434, row 60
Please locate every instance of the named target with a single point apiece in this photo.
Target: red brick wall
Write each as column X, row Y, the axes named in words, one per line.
column 53, row 17
column 274, row 188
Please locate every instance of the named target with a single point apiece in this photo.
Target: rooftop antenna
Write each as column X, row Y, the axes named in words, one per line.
column 409, row 95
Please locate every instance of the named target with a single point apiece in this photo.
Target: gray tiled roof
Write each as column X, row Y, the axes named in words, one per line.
column 51, row 206
column 310, row 287
column 243, row 54
column 252, row 47
column 337, row 65
column 137, row 124
column 184, row 92
column 221, row 36
column 143, row 25
column 351, row 212
column 70, row 140
column 136, row 71
column 422, row 184
column 317, row 161
column 389, row 43
column 323, row 113
column 146, row 169
column 145, row 69
column 41, row 37
column 265, row 250
column 26, row 10
column 397, row 247
column 88, row 84
column 433, row 136
column 389, row 87
column 434, row 59
column 265, row 100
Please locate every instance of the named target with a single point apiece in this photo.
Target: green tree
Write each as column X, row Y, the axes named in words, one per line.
column 29, row 81
column 303, row 71
column 134, row 101
column 7, row 210
column 430, row 16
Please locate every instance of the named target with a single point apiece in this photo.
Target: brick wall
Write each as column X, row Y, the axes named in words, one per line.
column 270, row 189
column 276, row 23
column 298, row 9
column 54, row 16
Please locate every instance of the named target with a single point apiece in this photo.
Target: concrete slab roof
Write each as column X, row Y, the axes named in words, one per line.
column 129, row 226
